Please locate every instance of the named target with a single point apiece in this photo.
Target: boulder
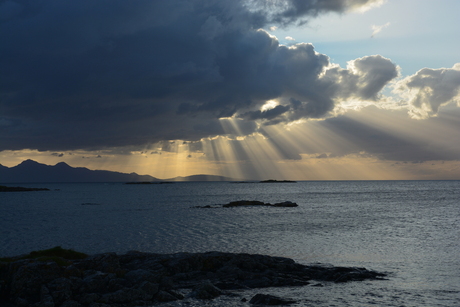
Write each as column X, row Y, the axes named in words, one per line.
column 265, row 299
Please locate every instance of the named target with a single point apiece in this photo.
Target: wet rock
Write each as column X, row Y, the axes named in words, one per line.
column 206, row 291
column 167, row 296
column 265, row 299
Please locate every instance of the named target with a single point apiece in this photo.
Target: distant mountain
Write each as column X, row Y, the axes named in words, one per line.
column 201, row 178
column 34, row 172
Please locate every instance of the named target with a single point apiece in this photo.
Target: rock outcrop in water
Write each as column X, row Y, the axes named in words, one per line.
column 20, row 189
column 250, row 203
column 142, row 279
column 277, row 181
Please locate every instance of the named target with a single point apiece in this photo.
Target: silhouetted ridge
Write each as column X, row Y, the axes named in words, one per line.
column 32, row 171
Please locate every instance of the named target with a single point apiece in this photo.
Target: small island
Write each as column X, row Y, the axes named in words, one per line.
column 63, row 277
column 277, row 181
column 250, row 203
column 149, row 182
column 20, row 189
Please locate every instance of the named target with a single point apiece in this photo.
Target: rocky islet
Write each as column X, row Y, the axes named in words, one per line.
column 143, row 279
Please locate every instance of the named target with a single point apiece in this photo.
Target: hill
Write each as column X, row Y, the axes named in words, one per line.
column 30, row 171
column 34, row 172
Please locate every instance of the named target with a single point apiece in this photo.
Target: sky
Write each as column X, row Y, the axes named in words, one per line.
column 249, row 89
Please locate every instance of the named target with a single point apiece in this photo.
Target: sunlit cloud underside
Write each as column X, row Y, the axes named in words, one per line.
column 307, row 150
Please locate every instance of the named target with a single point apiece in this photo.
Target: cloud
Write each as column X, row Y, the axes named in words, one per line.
column 429, row 89
column 378, row 29
column 314, row 87
column 78, row 75
column 426, row 140
column 299, row 11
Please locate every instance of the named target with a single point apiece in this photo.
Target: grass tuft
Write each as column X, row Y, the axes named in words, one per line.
column 54, row 254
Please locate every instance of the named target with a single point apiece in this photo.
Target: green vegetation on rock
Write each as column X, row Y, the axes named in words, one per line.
column 57, row 254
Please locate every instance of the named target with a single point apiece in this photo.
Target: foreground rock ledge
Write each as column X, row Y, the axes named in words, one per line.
column 143, row 279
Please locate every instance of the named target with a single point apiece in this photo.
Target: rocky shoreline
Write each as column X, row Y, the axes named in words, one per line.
column 145, row 279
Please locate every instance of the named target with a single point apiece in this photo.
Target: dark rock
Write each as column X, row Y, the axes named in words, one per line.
column 265, row 299
column 46, row 300
column 250, row 203
column 273, row 181
column 150, row 289
column 20, row 189
column 206, row 291
column 61, row 290
column 285, row 204
column 140, row 275
column 97, row 282
column 241, row 203
column 27, row 280
column 71, row 303
column 164, row 296
column 89, row 298
column 71, row 270
column 230, row 286
column 107, row 262
column 141, row 279
column 258, row 282
column 124, row 295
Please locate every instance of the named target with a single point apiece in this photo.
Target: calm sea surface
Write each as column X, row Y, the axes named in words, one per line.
column 409, row 229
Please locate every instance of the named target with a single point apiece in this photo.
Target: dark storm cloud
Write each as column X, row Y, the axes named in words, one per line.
column 317, row 88
column 267, row 114
column 95, row 74
column 294, row 11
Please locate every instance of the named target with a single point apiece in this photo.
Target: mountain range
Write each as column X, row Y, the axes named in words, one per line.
column 30, row 171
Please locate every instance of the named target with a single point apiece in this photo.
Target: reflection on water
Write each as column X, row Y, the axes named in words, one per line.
column 408, row 228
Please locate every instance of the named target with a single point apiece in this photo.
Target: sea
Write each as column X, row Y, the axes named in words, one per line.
column 409, row 230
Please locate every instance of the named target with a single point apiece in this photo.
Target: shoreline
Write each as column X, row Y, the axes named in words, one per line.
column 60, row 277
